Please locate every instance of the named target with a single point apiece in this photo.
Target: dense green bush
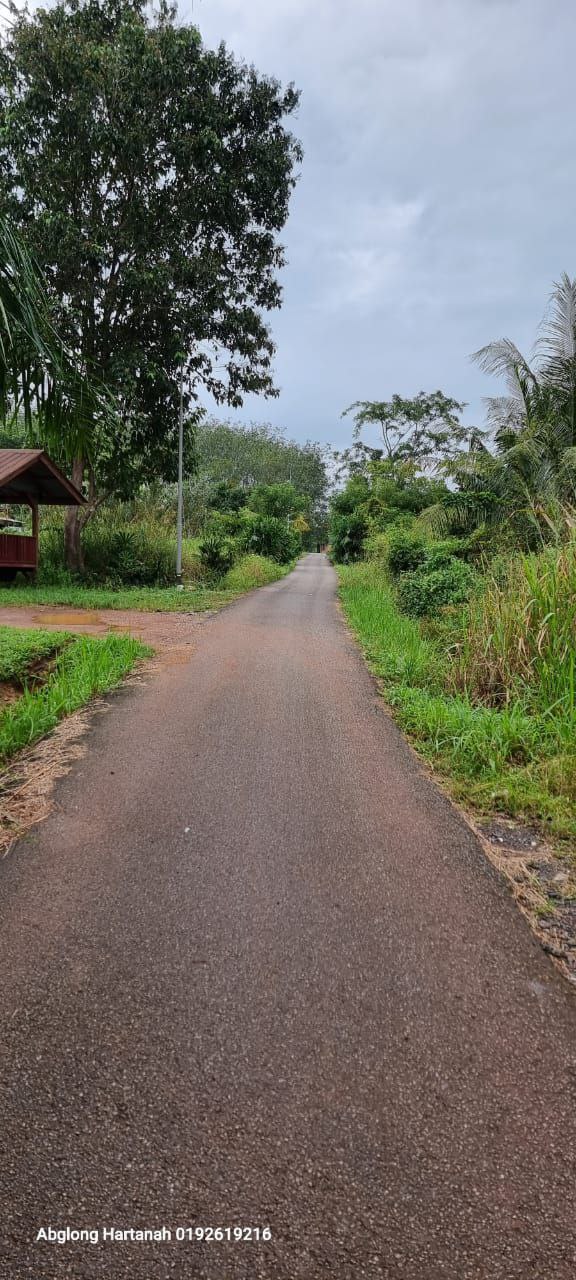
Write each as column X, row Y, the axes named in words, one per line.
column 406, row 551
column 227, row 497
column 376, row 546
column 384, row 518
column 218, row 553
column 227, row 524
column 136, row 554
column 270, row 536
column 425, row 590
column 439, row 554
column 347, row 533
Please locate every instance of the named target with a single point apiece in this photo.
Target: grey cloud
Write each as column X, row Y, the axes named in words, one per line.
column 436, row 201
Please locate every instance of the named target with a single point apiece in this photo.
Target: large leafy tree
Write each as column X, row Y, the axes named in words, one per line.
column 423, row 430
column 233, row 459
column 151, row 176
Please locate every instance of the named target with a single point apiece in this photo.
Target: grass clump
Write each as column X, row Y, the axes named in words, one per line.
column 19, row 650
column 253, row 571
column 87, row 666
column 520, row 634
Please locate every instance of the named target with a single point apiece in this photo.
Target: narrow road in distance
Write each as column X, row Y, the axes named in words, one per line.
column 257, row 972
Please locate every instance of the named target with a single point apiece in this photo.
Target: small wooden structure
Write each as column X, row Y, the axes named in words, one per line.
column 29, row 476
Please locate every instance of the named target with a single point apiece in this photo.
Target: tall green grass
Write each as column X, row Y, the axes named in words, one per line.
column 86, row 667
column 514, row 757
column 519, row 641
column 394, row 643
column 253, row 571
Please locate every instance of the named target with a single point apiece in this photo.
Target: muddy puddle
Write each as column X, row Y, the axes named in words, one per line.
column 67, row 618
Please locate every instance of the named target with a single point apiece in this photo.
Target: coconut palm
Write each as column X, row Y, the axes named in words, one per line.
column 42, row 390
column 530, row 475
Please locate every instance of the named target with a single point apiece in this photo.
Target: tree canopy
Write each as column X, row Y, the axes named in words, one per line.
column 423, row 430
column 236, row 461
column 260, row 454
column 151, row 177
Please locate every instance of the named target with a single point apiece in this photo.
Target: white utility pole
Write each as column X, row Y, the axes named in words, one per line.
column 179, row 583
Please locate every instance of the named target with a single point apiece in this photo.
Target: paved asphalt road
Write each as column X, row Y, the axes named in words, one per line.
column 257, row 972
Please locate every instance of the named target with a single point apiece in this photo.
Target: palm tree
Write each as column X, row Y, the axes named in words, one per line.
column 43, row 392
column 530, row 477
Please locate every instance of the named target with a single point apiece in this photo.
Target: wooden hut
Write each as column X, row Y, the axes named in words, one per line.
column 29, row 477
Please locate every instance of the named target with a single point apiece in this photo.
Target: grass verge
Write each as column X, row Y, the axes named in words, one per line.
column 508, row 760
column 146, row 599
column 250, row 572
column 85, row 667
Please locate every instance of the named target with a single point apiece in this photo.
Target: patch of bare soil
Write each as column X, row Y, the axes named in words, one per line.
column 26, row 785
column 544, row 886
column 36, row 675
column 8, row 693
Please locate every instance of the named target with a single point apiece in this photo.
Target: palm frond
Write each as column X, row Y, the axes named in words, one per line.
column 42, row 383
column 434, row 521
column 557, row 338
column 505, row 411
column 503, row 359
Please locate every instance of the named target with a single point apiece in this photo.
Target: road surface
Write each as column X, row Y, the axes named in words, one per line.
column 257, row 972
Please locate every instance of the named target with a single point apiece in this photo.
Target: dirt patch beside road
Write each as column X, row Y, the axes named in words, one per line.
column 163, row 631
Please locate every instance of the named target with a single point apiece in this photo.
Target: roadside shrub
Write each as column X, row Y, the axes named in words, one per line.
column 133, row 555
column 129, row 555
column 218, row 554
column 425, row 590
column 269, row 536
column 251, row 571
column 227, row 524
column 406, row 551
column 439, row 554
column 227, row 496
column 376, row 547
column 348, row 531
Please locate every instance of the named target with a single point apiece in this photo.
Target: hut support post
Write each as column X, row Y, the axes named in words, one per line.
column 35, row 525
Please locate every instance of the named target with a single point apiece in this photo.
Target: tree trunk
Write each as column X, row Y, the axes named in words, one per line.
column 73, row 525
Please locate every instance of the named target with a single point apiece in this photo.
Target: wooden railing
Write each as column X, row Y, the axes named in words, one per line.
column 18, row 551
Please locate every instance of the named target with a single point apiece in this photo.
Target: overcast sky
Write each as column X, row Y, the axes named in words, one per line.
column 436, row 202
